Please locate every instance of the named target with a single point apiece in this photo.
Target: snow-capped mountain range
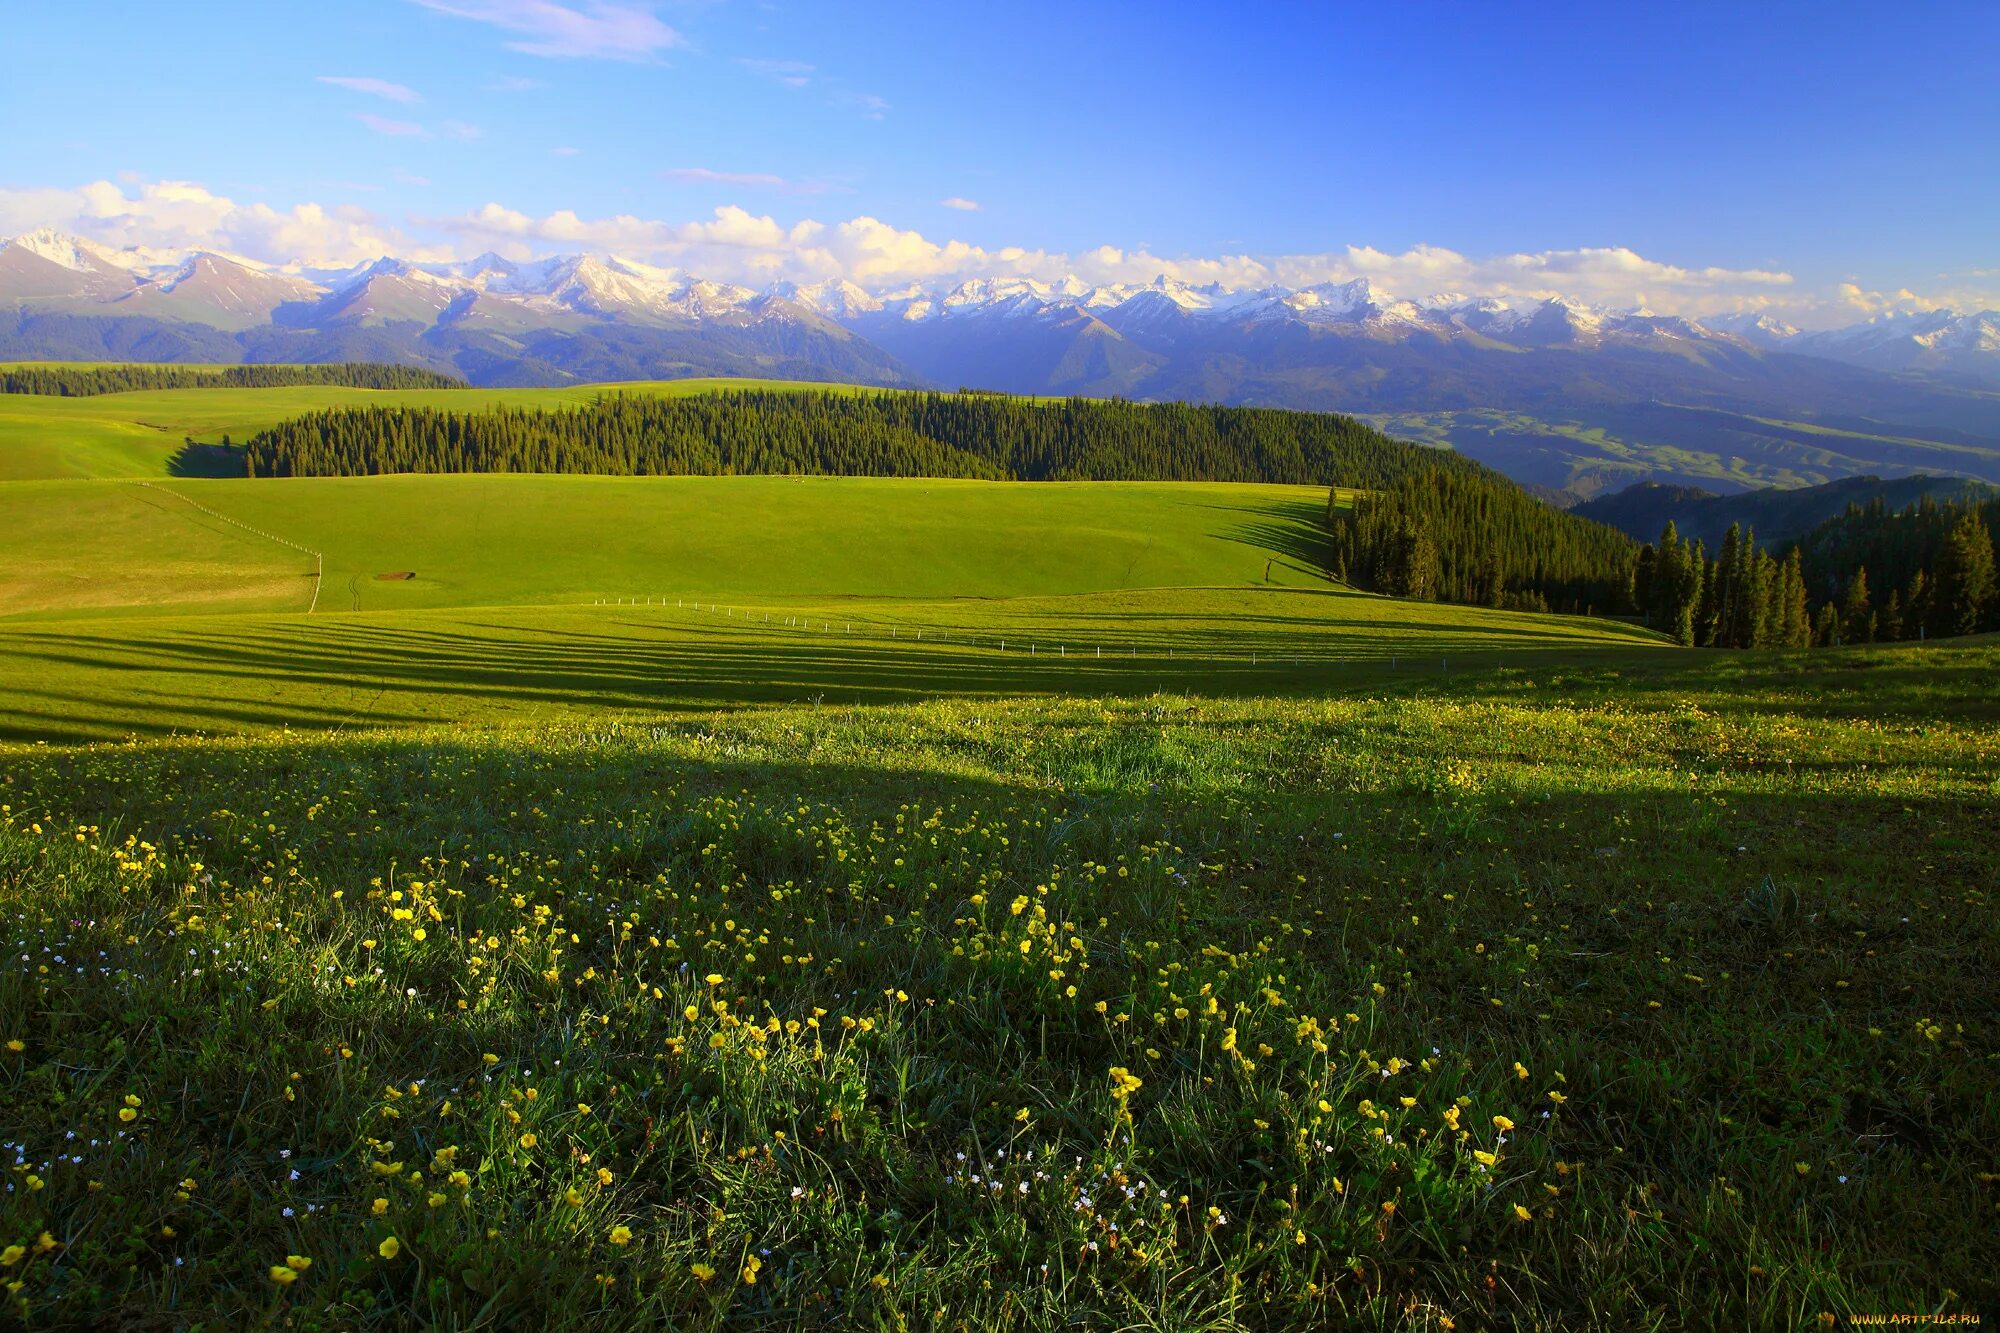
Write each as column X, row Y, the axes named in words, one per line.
column 598, row 316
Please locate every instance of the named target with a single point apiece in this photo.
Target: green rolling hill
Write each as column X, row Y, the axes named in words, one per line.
column 490, row 540
column 142, row 434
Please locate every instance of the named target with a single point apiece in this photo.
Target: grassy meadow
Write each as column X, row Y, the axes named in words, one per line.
column 827, row 903
column 143, row 434
column 1588, row 998
column 500, row 540
column 128, row 676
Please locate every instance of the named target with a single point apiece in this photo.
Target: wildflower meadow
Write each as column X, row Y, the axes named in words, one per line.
column 1585, row 998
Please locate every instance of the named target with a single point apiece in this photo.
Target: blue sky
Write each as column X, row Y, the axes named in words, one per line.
column 1692, row 156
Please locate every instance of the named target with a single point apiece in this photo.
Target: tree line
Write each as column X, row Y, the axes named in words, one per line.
column 88, row 381
column 1475, row 537
column 1932, row 576
column 852, row 434
column 1869, row 575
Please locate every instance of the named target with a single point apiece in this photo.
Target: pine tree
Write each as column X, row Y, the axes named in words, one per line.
column 1963, row 591
column 1666, row 574
column 1795, row 620
column 1889, row 622
column 1746, row 630
column 1826, row 626
column 1917, row 606
column 1686, row 592
column 1642, row 581
column 1728, row 587
column 1493, row 576
column 1857, row 613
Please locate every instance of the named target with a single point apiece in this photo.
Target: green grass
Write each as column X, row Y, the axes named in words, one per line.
column 512, row 540
column 798, row 983
column 589, row 947
column 76, row 680
column 91, row 548
column 141, row 434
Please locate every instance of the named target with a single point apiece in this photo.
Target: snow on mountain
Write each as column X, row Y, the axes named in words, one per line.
column 48, row 269
column 70, row 252
column 48, row 266
column 1009, row 296
column 1755, row 328
column 1963, row 342
column 836, row 298
column 1333, row 300
column 216, row 291
column 1930, row 331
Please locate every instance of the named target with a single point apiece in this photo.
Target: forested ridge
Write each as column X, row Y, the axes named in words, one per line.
column 1922, row 571
column 868, row 434
column 1475, row 537
column 1869, row 575
column 88, row 381
column 1872, row 574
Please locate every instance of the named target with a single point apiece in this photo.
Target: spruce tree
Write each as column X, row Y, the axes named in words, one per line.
column 1493, row 576
column 1795, row 620
column 1857, row 613
column 1917, row 606
column 1962, row 593
column 1748, row 629
column 1728, row 587
column 1889, row 622
column 1642, row 581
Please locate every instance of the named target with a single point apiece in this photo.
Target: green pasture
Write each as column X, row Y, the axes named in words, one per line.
column 142, row 434
column 1603, row 992
column 485, row 540
column 810, row 902
column 105, row 678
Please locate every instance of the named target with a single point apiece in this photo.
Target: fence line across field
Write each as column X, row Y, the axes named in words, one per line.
column 319, row 559
column 889, row 632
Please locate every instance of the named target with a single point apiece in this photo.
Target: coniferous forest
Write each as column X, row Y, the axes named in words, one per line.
column 1474, row 537
column 88, row 381
column 1867, row 576
column 885, row 434
column 1870, row 575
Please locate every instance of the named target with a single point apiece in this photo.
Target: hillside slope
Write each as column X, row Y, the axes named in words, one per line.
column 142, row 434
column 473, row 540
column 1777, row 515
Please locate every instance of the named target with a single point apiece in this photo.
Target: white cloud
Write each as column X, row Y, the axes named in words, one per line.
column 599, row 29
column 394, row 92
column 961, row 203
column 410, row 129
column 791, row 73
column 738, row 245
column 169, row 216
column 1866, row 302
column 395, row 129
column 756, row 180
column 734, row 243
